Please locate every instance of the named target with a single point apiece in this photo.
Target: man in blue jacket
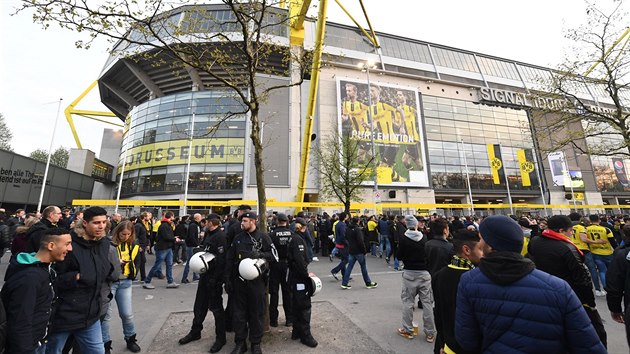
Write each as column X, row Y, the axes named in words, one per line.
column 506, row 305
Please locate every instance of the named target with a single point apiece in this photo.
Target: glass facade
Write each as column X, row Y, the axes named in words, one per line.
column 156, row 144
column 457, row 133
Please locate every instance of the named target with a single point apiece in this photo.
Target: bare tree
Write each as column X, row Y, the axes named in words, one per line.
column 232, row 47
column 343, row 164
column 589, row 91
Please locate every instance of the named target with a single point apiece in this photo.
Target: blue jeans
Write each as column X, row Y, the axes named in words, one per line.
column 189, row 253
column 341, row 267
column 373, row 247
column 121, row 292
column 162, row 256
column 590, row 264
column 90, row 340
column 386, row 247
column 40, row 350
column 602, row 263
column 351, row 260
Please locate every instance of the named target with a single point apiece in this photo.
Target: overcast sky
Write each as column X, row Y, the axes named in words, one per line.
column 38, row 67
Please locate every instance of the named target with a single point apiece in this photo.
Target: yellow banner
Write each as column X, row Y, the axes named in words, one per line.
column 496, row 164
column 526, row 167
column 176, row 152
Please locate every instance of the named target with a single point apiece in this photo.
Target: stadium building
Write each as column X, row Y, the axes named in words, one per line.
column 452, row 125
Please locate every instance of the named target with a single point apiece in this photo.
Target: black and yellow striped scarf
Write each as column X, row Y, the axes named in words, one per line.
column 462, row 262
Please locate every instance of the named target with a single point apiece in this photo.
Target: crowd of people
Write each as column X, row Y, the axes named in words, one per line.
column 489, row 284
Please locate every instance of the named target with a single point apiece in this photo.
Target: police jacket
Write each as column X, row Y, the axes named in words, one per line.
column 280, row 238
column 507, row 306
column 215, row 242
column 563, row 260
column 78, row 303
column 27, row 296
column 165, row 236
column 255, row 245
column 618, row 281
column 297, row 260
column 192, row 235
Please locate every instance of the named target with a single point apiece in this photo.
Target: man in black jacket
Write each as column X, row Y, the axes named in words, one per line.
column 416, row 281
column 301, row 286
column 209, row 291
column 438, row 250
column 357, row 251
column 553, row 252
column 248, row 295
column 444, row 283
column 27, row 293
column 618, row 284
column 165, row 240
column 143, row 242
column 80, row 278
column 50, row 217
column 192, row 239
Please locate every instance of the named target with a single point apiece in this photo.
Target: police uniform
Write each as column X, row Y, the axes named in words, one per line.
column 280, row 237
column 248, row 296
column 209, row 290
column 301, row 290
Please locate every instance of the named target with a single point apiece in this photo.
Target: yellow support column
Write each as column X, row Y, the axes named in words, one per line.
column 312, row 99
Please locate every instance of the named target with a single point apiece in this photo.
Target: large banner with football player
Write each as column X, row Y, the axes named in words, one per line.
column 396, row 126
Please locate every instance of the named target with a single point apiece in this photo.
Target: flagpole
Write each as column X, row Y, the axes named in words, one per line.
column 542, row 193
column 52, row 139
column 472, row 207
column 507, row 181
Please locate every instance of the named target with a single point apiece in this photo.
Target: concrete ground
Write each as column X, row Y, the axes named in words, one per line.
column 343, row 321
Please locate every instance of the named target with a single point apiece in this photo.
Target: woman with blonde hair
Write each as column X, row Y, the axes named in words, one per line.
column 123, row 238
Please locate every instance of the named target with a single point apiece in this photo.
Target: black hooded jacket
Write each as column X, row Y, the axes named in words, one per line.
column 79, row 301
column 27, row 296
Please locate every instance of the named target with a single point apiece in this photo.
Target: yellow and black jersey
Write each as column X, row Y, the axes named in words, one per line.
column 411, row 121
column 596, row 232
column 357, row 113
column 384, row 115
column 577, row 230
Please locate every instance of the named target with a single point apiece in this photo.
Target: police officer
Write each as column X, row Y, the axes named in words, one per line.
column 233, row 229
column 301, row 286
column 280, row 237
column 209, row 289
column 248, row 296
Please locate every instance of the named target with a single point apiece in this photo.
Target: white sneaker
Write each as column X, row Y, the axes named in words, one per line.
column 604, row 292
column 598, row 293
column 315, row 259
column 172, row 285
column 148, row 286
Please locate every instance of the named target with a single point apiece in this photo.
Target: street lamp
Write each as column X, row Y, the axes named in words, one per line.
column 366, row 68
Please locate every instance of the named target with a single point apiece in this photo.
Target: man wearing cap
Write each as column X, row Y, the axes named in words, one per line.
column 233, row 229
column 209, row 290
column 248, row 295
column 416, row 281
column 300, row 284
column 506, row 305
column 280, row 237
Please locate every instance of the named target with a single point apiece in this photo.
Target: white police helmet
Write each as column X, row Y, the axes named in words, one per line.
column 251, row 269
column 317, row 284
column 200, row 262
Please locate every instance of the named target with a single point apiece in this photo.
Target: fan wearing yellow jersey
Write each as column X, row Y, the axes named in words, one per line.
column 354, row 112
column 383, row 116
column 603, row 249
column 581, row 240
column 410, row 119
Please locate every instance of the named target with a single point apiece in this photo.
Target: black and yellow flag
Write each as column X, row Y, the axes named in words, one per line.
column 527, row 167
column 496, row 163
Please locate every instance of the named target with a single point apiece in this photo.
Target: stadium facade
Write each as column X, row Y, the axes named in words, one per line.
column 446, row 113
